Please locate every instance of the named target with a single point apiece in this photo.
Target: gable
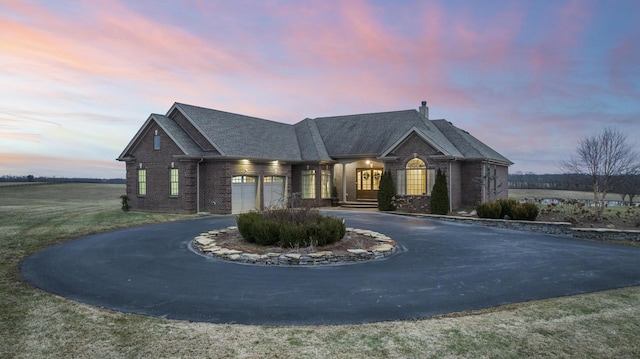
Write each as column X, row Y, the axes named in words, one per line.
column 413, row 143
column 192, row 131
column 171, row 139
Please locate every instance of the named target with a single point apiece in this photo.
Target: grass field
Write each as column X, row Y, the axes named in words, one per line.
column 545, row 193
column 36, row 324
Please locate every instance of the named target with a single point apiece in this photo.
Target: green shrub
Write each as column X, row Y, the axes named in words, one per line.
column 489, row 210
column 290, row 228
column 440, row 194
column 506, row 207
column 386, row 192
column 125, row 203
column 248, row 225
column 293, row 235
column 525, row 211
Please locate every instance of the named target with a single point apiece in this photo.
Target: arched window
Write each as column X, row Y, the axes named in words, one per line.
column 416, row 177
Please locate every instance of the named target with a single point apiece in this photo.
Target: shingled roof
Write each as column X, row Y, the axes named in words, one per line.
column 323, row 139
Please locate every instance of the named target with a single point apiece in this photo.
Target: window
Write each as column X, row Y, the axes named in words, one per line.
column 273, row 179
column 142, row 182
column 156, row 142
column 173, row 182
column 415, row 179
column 309, row 184
column 243, row 179
column 326, row 184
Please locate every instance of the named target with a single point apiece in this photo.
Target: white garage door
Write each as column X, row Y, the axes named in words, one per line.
column 243, row 193
column 273, row 191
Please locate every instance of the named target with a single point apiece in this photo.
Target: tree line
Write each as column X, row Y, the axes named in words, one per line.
column 31, row 178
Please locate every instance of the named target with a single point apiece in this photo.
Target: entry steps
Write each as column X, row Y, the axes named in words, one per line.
column 363, row 204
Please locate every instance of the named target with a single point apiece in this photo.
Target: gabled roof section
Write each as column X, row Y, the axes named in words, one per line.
column 469, row 146
column 377, row 133
column 449, row 151
column 241, row 136
column 181, row 138
column 311, row 146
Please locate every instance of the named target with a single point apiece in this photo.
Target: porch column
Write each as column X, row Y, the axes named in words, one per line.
column 344, row 182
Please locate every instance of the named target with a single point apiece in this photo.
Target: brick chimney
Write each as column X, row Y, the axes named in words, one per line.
column 424, row 110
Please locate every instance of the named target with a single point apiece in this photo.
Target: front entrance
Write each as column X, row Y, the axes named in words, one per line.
column 368, row 182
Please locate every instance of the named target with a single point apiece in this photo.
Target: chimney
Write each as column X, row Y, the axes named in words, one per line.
column 424, row 110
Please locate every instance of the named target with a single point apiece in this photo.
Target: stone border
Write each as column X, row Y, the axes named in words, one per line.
column 556, row 228
column 205, row 244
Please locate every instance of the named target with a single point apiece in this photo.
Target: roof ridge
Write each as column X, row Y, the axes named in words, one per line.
column 232, row 113
column 366, row 113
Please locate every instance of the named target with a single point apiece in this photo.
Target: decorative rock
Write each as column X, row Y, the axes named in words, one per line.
column 206, row 243
column 382, row 248
column 203, row 240
column 357, row 251
column 320, row 254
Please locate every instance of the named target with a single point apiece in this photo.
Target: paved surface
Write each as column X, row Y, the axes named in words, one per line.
column 443, row 267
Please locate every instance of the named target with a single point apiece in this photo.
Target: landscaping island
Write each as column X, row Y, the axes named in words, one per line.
column 357, row 245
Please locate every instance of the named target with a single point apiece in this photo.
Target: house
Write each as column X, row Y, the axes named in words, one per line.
column 196, row 159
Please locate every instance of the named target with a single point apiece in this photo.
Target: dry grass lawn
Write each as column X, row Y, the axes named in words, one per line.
column 36, row 324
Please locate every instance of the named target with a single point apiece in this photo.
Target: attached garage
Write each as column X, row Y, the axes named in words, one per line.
column 274, row 191
column 244, row 193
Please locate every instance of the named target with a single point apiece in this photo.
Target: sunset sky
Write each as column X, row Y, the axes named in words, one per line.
column 529, row 78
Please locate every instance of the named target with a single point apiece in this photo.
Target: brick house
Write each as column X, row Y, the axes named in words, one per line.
column 195, row 159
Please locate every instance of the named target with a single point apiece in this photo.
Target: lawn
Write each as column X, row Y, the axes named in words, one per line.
column 36, row 324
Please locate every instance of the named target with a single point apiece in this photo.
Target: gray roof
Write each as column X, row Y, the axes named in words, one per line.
column 374, row 133
column 312, row 148
column 469, row 146
column 319, row 139
column 178, row 135
column 244, row 136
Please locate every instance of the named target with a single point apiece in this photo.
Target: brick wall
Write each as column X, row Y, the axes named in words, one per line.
column 216, row 187
column 470, row 191
column 157, row 164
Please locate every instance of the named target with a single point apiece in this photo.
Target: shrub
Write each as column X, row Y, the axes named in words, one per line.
column 440, row 194
column 525, row 211
column 125, row 203
column 506, row 207
column 290, row 227
column 489, row 210
column 293, row 235
column 248, row 224
column 386, row 192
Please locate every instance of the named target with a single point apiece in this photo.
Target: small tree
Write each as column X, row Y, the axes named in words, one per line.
column 440, row 194
column 604, row 158
column 386, row 192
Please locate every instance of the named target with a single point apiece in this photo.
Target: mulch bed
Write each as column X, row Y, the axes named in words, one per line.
column 233, row 240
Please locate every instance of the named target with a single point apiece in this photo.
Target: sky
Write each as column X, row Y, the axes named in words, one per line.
column 528, row 78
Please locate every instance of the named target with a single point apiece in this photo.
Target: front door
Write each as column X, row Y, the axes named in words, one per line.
column 368, row 182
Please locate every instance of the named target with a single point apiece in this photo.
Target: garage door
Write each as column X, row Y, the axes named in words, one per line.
column 243, row 193
column 273, row 191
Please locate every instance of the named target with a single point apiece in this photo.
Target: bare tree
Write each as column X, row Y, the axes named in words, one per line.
column 604, row 158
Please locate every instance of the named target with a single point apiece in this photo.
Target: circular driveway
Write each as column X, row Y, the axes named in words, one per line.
column 443, row 267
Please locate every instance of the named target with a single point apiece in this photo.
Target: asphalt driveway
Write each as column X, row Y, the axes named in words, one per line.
column 442, row 268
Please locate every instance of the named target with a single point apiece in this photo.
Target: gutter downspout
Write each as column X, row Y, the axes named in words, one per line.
column 450, row 191
column 198, row 185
